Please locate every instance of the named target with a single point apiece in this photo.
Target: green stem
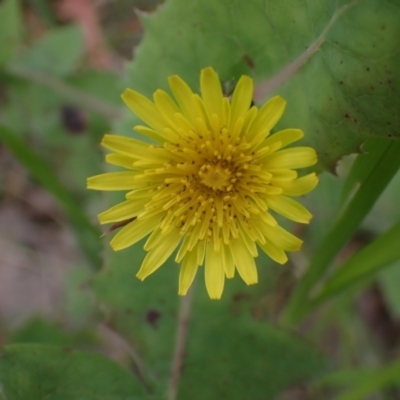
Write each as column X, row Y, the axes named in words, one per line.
column 77, row 96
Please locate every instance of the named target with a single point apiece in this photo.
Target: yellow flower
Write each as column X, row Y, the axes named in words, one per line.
column 208, row 183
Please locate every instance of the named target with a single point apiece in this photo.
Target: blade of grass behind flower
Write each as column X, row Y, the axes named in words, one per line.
column 369, row 260
column 373, row 149
column 380, row 174
column 389, row 375
column 86, row 233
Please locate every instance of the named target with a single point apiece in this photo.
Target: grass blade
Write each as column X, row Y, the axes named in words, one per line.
column 385, row 167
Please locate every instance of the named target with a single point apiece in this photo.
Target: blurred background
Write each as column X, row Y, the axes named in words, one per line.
column 60, row 84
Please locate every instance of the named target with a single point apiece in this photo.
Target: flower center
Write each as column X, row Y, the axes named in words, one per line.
column 215, row 176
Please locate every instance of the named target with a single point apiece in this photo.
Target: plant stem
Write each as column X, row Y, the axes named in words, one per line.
column 180, row 343
column 77, row 96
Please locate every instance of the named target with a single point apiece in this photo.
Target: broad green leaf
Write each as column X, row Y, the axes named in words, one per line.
column 339, row 91
column 37, row 372
column 345, row 226
column 386, row 376
column 367, row 261
column 11, row 29
column 228, row 345
column 238, row 357
column 145, row 313
column 87, row 234
column 56, row 53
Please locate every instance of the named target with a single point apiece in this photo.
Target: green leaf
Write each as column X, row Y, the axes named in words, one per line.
column 242, row 358
column 227, row 344
column 145, row 313
column 56, row 53
column 389, row 375
column 345, row 226
column 87, row 234
column 11, row 29
column 339, row 91
column 367, row 261
column 37, row 372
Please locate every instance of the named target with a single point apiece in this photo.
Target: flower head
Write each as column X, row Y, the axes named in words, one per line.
column 208, row 184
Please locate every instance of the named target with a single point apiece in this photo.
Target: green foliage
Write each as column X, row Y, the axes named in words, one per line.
column 242, row 358
column 40, row 331
column 245, row 347
column 369, row 260
column 376, row 380
column 382, row 166
column 37, row 371
column 339, row 91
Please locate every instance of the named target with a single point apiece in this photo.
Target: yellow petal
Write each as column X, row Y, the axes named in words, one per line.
column 183, row 249
column 241, row 99
column 279, row 236
column 294, row 158
column 150, row 133
column 289, row 208
column 274, row 252
column 285, row 137
column 188, row 272
column 166, row 106
column 122, row 211
column 159, row 254
column 211, row 92
column 124, row 145
column 214, row 273
column 283, row 174
column 227, row 261
column 113, row 181
column 201, row 251
column 140, row 193
column 145, row 110
column 133, row 232
column 120, row 160
column 297, row 187
column 267, row 117
column 185, row 98
column 244, row 261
